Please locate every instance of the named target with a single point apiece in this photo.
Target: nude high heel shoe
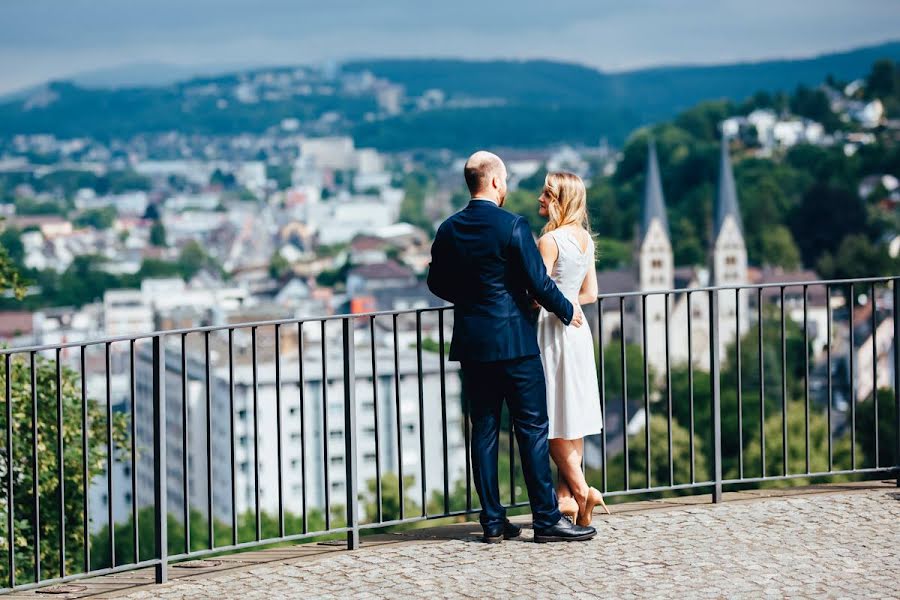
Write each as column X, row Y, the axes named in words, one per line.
column 569, row 508
column 600, row 499
column 594, row 498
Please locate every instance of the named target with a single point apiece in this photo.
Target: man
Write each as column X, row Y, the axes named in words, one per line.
column 485, row 261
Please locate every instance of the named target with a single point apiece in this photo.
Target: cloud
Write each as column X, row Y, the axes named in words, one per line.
column 41, row 39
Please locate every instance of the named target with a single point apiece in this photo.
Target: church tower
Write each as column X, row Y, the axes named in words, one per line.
column 656, row 269
column 729, row 253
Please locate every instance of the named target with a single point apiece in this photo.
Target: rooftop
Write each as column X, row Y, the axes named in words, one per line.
column 385, row 270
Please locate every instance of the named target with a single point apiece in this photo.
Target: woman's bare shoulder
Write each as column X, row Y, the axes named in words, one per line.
column 547, row 241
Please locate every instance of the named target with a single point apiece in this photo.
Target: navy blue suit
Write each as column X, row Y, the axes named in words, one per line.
column 485, row 261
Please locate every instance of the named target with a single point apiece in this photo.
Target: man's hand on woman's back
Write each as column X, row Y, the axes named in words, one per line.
column 577, row 316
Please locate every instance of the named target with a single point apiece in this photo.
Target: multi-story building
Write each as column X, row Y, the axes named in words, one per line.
column 312, row 421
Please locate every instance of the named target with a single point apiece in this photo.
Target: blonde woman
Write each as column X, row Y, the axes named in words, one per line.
column 573, row 400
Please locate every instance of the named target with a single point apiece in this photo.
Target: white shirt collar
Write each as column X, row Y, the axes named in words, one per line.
column 494, row 202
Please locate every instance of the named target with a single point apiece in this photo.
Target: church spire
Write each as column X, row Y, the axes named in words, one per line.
column 726, row 200
column 654, row 204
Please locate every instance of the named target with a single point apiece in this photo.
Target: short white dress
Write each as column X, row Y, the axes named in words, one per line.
column 573, row 397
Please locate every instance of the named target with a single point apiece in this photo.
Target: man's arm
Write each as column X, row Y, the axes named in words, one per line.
column 441, row 281
column 539, row 283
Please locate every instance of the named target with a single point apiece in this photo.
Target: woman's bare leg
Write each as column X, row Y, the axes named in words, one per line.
column 567, row 456
column 562, row 489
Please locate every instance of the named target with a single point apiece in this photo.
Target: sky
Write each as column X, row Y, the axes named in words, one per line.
column 50, row 39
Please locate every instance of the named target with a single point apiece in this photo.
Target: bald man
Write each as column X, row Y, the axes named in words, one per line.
column 485, row 261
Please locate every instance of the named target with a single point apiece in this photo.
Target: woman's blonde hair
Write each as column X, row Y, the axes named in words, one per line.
column 567, row 201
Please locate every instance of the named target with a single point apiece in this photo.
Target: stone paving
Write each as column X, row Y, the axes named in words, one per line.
column 837, row 544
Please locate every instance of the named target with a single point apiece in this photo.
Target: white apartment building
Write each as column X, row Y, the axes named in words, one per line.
column 318, row 421
column 126, row 313
column 130, row 312
column 337, row 153
column 340, row 221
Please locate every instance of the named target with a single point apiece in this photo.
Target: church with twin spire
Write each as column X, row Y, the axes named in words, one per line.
column 680, row 318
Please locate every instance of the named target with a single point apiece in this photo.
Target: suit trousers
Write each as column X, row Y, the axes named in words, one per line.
column 520, row 382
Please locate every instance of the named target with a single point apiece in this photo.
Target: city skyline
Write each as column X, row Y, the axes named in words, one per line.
column 42, row 40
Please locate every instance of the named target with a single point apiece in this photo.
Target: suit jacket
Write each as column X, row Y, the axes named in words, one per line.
column 484, row 260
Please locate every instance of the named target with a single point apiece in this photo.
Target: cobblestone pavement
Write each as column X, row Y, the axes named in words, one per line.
column 841, row 545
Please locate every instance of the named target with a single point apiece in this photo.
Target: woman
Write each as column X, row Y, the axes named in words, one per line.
column 573, row 399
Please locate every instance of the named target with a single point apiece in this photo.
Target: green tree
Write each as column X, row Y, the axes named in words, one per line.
column 10, row 279
column 432, row 345
column 702, row 121
column 857, row 257
column 613, row 254
column 101, row 555
column 768, row 193
column 700, row 400
column 126, row 181
column 634, row 370
column 279, row 267
column 659, row 458
column 280, row 174
column 83, row 281
column 154, row 267
column 11, row 241
column 28, row 206
column 193, row 258
column 48, row 481
column 222, row 179
column 779, row 248
column 98, row 218
column 525, row 203
column 390, row 498
column 760, row 99
column 830, row 169
column 458, row 500
column 612, row 208
column 887, row 429
column 245, row 195
column 688, row 248
column 824, row 218
column 459, row 199
column 883, row 82
column 152, row 212
column 814, row 104
column 11, row 254
column 796, row 450
column 336, row 276
column 158, row 234
column 416, row 186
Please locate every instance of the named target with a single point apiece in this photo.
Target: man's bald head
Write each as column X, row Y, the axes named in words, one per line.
column 485, row 176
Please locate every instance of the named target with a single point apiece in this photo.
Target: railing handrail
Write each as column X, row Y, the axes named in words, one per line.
column 749, row 286
column 211, row 328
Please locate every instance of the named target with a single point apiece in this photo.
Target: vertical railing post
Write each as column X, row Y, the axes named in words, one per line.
column 350, row 435
column 160, row 499
column 715, row 416
column 896, row 315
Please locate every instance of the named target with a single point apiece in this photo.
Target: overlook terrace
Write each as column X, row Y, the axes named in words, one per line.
column 297, row 448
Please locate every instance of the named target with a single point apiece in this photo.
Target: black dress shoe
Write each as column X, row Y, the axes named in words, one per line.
column 564, row 531
column 498, row 533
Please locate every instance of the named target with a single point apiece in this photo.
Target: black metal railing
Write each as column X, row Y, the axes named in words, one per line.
column 217, row 439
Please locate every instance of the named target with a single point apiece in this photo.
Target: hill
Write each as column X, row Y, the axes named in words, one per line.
column 525, row 103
